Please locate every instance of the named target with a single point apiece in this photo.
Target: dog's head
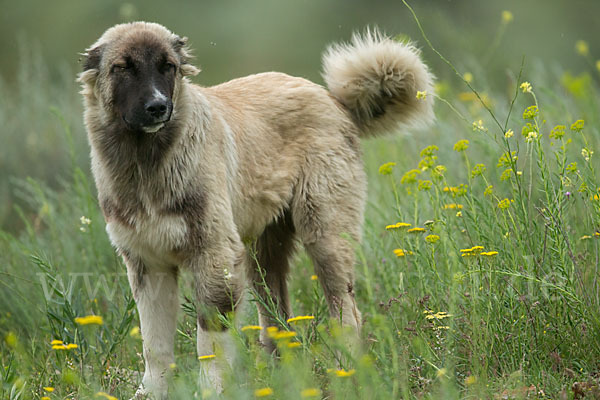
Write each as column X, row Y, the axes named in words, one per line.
column 134, row 72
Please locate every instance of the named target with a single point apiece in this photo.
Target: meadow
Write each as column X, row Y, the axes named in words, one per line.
column 478, row 274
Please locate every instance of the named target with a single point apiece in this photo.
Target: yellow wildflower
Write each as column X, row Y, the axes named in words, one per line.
column 263, row 392
column 558, row 132
column 11, row 340
column 461, row 145
column 421, row 95
column 526, row 87
column 386, row 169
column 71, row 346
column 284, row 335
column 504, row 204
column 416, row 230
column 402, row 253
column 44, row 398
column 293, row 345
column 48, row 389
column 252, row 327
column 451, row 189
column 410, row 176
column 135, row 332
column 106, row 396
column 56, row 341
column 453, row 206
column 509, row 133
column 586, row 154
column 478, row 126
column 300, row 318
column 432, row 238
column 459, row 214
column 397, row 225
column 530, row 112
column 582, row 47
column 489, row 253
column 207, row 357
column 272, row 330
column 470, row 380
column 577, row 126
column 488, row 190
column 439, row 315
column 507, row 16
column 342, row 373
column 585, row 237
column 89, row 320
column 314, row 277
column 59, row 347
column 310, row 392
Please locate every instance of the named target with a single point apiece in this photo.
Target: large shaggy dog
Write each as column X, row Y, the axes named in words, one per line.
column 190, row 178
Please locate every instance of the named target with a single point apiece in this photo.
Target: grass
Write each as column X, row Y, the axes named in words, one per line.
column 442, row 317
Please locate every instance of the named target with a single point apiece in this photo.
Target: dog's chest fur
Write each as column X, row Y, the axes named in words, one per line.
column 153, row 237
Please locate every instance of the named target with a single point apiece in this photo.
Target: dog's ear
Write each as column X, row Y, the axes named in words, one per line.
column 184, row 52
column 91, row 64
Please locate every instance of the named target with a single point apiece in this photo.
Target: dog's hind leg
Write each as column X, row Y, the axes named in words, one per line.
column 328, row 211
column 268, row 273
column 156, row 294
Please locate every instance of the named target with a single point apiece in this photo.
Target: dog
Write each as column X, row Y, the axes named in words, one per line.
column 224, row 181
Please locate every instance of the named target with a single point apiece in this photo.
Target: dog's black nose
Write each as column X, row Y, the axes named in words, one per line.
column 157, row 108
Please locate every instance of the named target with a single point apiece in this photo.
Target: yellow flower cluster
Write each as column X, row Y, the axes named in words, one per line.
column 106, row 396
column 461, row 145
column 342, row 373
column 310, row 392
column 432, row 238
column 59, row 345
column 438, row 315
column 453, row 206
column 416, row 230
column 263, row 392
column 207, row 357
column 397, row 225
column 89, row 320
column 386, row 169
column 300, row 318
column 402, row 253
column 251, row 328
column 477, row 250
column 526, row 87
column 282, row 337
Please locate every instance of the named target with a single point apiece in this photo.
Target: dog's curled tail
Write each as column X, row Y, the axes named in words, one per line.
column 377, row 79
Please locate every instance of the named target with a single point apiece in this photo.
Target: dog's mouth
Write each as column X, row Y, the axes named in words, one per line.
column 153, row 128
column 148, row 128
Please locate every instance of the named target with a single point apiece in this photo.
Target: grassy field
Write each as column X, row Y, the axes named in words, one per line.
column 491, row 292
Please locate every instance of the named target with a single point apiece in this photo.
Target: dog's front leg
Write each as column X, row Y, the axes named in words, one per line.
column 218, row 278
column 156, row 294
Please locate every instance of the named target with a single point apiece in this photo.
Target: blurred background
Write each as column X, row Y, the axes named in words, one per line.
column 42, row 134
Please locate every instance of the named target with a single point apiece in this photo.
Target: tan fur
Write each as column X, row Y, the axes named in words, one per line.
column 267, row 159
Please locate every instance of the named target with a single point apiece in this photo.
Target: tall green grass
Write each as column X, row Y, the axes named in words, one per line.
column 442, row 318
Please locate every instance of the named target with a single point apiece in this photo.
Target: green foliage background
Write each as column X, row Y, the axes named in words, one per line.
column 521, row 324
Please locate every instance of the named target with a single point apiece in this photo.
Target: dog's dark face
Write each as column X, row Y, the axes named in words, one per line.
column 136, row 74
column 143, row 80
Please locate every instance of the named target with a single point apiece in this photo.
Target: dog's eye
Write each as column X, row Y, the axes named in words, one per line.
column 120, row 67
column 168, row 66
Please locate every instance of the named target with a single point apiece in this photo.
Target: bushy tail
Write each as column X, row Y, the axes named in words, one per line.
column 377, row 78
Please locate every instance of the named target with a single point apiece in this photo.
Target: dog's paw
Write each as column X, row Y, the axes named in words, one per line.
column 143, row 394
